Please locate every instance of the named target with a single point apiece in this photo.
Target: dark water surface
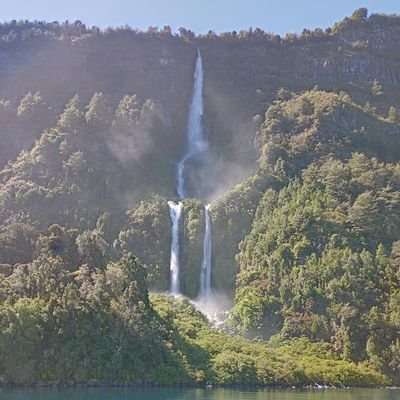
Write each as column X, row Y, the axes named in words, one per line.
column 197, row 394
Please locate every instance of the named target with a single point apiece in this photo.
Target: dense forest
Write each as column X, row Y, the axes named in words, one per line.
column 303, row 177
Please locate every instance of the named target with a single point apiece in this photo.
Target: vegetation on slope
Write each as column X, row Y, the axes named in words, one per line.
column 214, row 357
column 311, row 238
column 98, row 325
column 95, row 159
column 321, row 257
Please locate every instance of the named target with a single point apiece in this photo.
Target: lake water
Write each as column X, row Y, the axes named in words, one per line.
column 197, row 394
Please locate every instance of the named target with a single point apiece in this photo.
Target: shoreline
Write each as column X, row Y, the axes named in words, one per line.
column 137, row 385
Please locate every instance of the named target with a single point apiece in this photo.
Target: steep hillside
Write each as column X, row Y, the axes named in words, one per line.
column 302, row 172
column 45, row 64
column 100, row 326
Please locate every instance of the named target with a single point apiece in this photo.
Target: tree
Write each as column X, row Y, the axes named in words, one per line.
column 233, row 367
column 60, row 242
column 128, row 109
column 71, row 120
column 376, row 88
column 93, row 249
column 18, row 243
column 135, row 279
column 360, row 15
column 97, row 111
column 283, row 94
column 394, row 115
column 363, row 213
column 75, row 163
column 166, row 31
column 186, row 34
column 337, row 179
column 28, row 103
column 20, row 340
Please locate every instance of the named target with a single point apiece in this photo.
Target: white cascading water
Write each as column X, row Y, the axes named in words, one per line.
column 175, row 213
column 196, row 144
column 205, row 277
column 195, row 135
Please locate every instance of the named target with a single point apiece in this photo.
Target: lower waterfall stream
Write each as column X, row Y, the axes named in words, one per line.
column 205, row 276
column 175, row 213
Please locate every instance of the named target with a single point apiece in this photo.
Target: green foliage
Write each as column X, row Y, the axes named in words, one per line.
column 28, row 103
column 316, row 250
column 360, row 14
column 211, row 356
column 90, row 325
column 394, row 115
column 49, row 183
column 97, row 111
column 18, row 243
column 21, row 336
column 311, row 238
column 100, row 325
column 192, row 246
column 147, row 233
column 230, row 367
column 376, row 88
column 232, row 215
column 314, row 124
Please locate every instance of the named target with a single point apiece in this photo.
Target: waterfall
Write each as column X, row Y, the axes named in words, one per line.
column 195, row 135
column 196, row 144
column 175, row 213
column 205, row 277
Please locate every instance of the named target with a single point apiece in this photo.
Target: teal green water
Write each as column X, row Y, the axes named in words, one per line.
column 197, row 394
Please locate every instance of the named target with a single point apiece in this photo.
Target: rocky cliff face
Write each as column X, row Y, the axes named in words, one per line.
column 242, row 74
column 360, row 67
